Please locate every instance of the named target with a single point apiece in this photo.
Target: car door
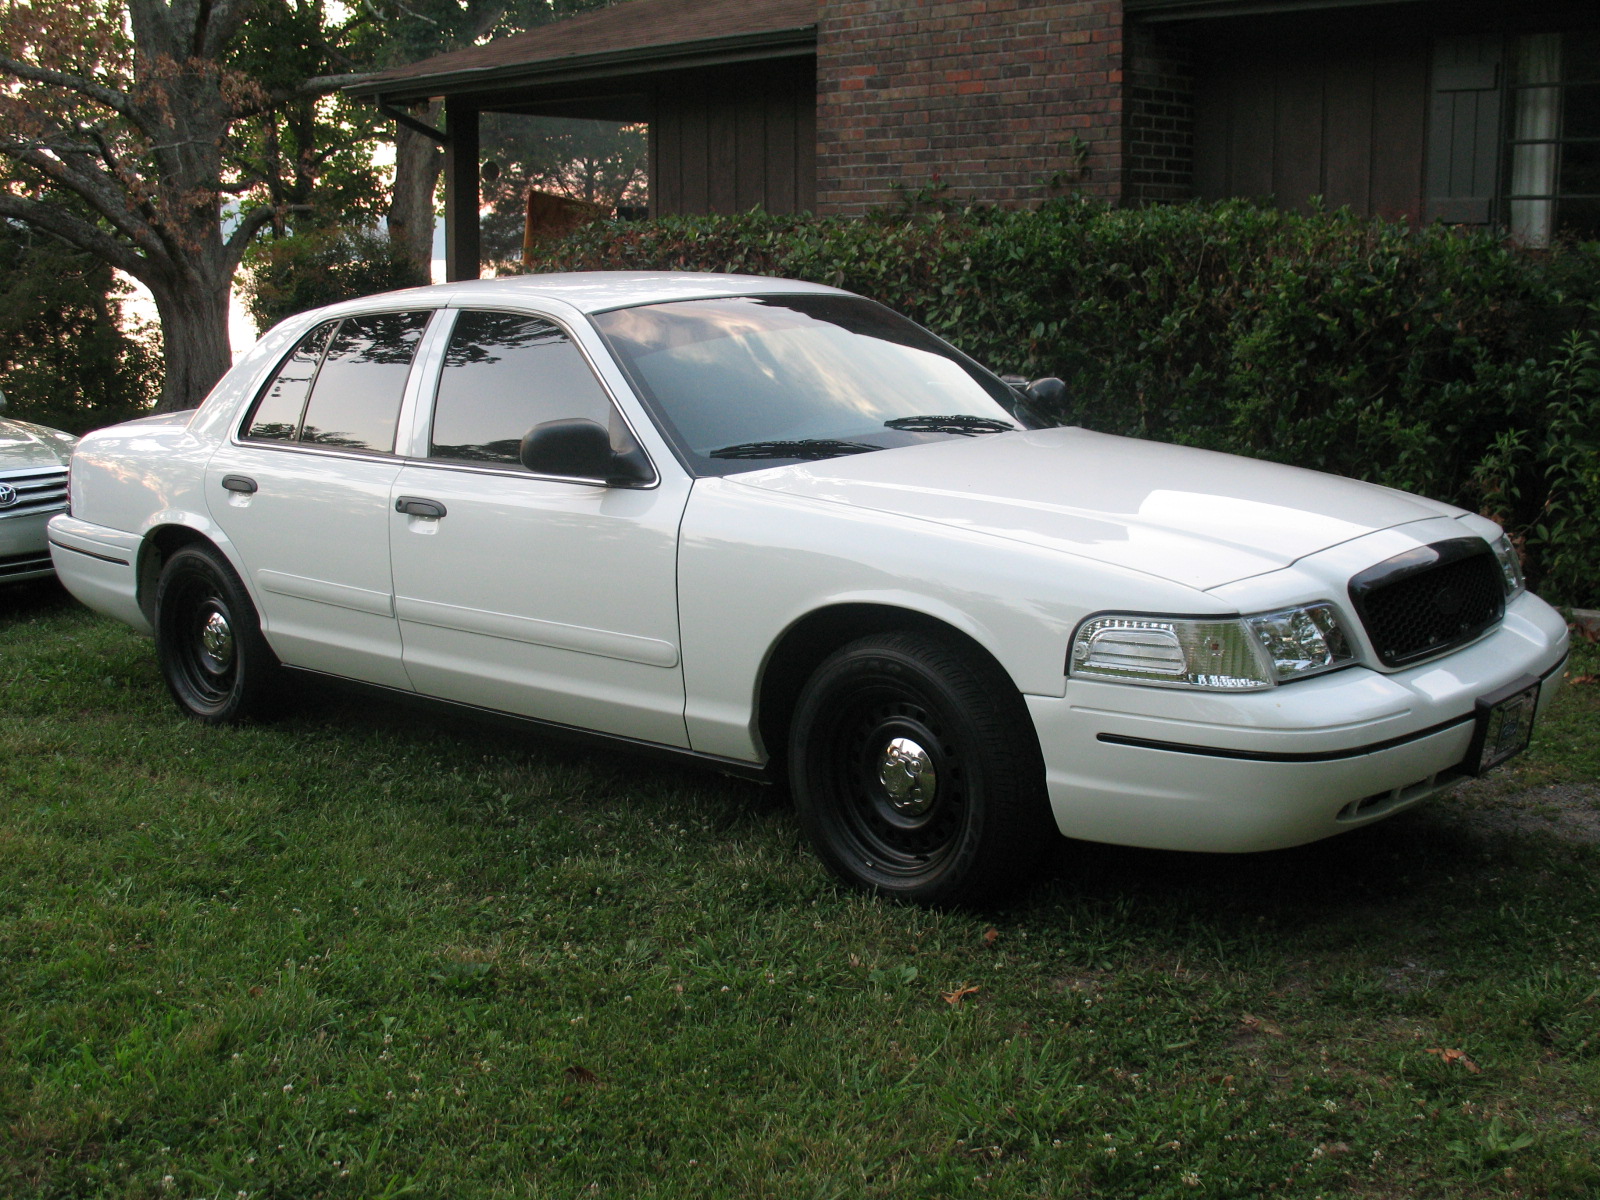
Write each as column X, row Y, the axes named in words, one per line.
column 302, row 491
column 552, row 598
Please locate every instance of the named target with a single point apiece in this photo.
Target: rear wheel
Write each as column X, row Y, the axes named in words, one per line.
column 916, row 773
column 217, row 665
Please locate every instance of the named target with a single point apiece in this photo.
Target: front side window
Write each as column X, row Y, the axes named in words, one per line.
column 503, row 374
column 342, row 385
column 750, row 381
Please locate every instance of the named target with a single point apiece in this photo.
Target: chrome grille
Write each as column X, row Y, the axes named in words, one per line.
column 38, row 489
column 1427, row 601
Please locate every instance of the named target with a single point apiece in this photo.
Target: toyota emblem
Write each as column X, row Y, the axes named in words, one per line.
column 8, row 495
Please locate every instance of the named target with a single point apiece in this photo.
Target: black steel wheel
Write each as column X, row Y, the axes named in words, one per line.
column 217, row 665
column 916, row 772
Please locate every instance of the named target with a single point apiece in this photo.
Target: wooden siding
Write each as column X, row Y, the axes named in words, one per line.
column 1464, row 149
column 731, row 141
column 1346, row 122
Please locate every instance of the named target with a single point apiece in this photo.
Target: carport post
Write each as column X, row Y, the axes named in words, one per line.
column 461, row 197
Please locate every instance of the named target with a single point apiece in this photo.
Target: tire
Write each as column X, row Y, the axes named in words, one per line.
column 916, row 773
column 217, row 665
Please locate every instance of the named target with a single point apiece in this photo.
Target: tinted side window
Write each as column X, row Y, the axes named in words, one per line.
column 277, row 413
column 503, row 374
column 355, row 403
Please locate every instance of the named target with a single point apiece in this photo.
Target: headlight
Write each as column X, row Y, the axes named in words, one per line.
column 1510, row 566
column 1230, row 655
column 1302, row 641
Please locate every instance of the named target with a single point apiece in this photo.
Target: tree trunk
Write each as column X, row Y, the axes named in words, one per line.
column 194, row 336
column 417, row 163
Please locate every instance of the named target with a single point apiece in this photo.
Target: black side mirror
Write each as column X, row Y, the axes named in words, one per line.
column 1048, row 393
column 582, row 449
column 2, row 402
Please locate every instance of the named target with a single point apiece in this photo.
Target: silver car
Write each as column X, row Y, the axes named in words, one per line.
column 33, row 488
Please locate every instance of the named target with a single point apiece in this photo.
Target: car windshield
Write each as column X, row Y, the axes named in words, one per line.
column 757, row 381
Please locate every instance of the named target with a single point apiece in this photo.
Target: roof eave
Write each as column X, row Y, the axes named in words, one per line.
column 1191, row 10
column 580, row 68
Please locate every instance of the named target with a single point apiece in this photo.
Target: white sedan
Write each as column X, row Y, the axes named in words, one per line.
column 776, row 528
column 33, row 488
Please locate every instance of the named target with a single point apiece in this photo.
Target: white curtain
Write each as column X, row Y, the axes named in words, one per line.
column 1538, row 116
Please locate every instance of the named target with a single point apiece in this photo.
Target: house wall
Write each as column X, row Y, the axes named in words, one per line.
column 1293, row 119
column 1159, row 75
column 994, row 97
column 728, row 141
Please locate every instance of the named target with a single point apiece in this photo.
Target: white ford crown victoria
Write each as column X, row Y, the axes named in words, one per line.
column 779, row 529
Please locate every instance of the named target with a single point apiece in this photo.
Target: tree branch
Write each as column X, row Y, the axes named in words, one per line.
column 222, row 22
column 249, row 225
column 76, row 231
column 321, row 85
column 117, row 101
column 309, row 89
column 101, row 191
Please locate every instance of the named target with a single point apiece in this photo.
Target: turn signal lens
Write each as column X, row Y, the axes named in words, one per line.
column 1169, row 651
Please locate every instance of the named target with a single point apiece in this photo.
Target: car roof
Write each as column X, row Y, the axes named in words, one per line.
column 598, row 291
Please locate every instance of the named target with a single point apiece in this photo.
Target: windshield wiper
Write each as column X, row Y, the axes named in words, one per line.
column 959, row 423
column 812, row 448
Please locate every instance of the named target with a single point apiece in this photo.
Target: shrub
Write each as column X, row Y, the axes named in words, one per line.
column 1433, row 360
column 307, row 270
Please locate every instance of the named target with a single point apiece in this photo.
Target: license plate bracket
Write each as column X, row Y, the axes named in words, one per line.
column 1503, row 724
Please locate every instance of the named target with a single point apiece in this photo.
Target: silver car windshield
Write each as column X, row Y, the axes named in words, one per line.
column 757, row 381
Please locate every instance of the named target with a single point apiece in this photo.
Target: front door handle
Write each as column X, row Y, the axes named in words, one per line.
column 239, row 483
column 417, row 506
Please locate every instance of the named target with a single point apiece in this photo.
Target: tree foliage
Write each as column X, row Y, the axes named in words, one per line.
column 289, row 275
column 151, row 116
column 65, row 360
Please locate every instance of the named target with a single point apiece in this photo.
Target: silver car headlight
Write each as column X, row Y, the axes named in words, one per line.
column 1510, row 566
column 1231, row 654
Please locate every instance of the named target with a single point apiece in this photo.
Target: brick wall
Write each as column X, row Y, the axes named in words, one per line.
column 991, row 96
column 1159, row 162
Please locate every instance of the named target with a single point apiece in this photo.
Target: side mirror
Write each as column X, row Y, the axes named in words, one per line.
column 1048, row 393
column 582, row 449
column 2, row 402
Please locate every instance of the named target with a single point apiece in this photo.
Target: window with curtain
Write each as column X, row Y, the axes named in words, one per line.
column 1552, row 175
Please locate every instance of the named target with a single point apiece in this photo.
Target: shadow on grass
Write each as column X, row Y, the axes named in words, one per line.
column 37, row 598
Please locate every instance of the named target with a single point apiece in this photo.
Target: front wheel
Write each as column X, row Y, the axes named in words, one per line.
column 916, row 773
column 217, row 665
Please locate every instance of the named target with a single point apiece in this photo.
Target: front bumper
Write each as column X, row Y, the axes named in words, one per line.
column 1178, row 770
column 23, row 553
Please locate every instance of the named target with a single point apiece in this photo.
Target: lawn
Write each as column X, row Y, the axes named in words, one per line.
column 363, row 953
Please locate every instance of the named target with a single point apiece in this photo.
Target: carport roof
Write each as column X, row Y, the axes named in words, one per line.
column 628, row 38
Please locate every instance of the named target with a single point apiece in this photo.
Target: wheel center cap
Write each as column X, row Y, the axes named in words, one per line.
column 906, row 771
column 216, row 643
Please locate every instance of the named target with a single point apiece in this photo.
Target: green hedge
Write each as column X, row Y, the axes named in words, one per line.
column 1440, row 362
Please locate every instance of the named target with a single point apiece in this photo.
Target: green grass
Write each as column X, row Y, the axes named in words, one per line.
column 363, row 954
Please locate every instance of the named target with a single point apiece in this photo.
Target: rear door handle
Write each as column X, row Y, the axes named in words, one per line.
column 417, row 506
column 239, row 483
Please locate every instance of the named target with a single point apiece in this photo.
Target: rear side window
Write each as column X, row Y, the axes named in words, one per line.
column 355, row 372
column 278, row 412
column 503, row 374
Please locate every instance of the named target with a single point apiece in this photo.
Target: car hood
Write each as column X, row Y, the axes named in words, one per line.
column 1192, row 516
column 24, row 444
